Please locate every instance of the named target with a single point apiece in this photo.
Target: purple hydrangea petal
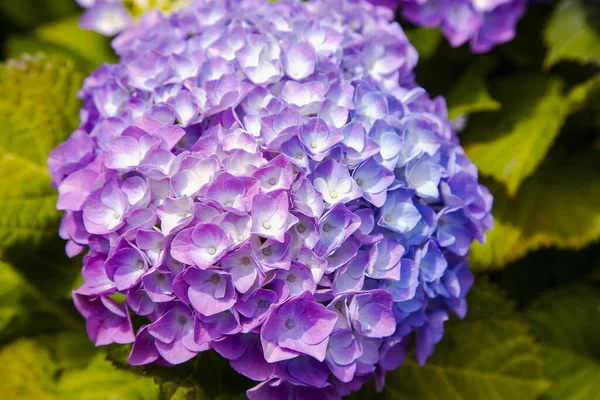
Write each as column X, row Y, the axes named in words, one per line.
column 172, row 333
column 271, row 217
column 299, row 60
column 126, row 267
column 342, row 351
column 209, row 291
column 106, row 321
column 200, row 246
column 298, row 325
column 334, row 183
column 248, row 358
column 371, row 314
column 143, row 350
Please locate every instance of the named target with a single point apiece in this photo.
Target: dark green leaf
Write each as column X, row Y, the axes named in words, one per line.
column 545, row 270
column 567, row 324
column 26, row 310
column 453, row 62
column 527, row 49
column 207, row 376
column 28, row 13
column 470, row 93
column 425, row 40
column 64, row 39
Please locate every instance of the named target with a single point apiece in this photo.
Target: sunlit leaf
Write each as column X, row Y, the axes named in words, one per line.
column 509, row 144
column 66, row 366
column 38, row 110
column 558, row 206
column 570, row 35
column 490, row 354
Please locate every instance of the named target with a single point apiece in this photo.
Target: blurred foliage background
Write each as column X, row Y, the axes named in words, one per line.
column 529, row 115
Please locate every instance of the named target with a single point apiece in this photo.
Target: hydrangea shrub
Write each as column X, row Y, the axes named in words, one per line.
column 268, row 180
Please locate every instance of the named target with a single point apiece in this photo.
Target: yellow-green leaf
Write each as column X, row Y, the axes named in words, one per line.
column 87, row 44
column 509, row 144
column 138, row 8
column 570, row 36
column 66, row 366
column 580, row 95
column 558, row 206
column 38, row 110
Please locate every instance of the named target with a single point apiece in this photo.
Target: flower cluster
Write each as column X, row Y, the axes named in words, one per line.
column 485, row 23
column 267, row 180
column 110, row 17
column 107, row 17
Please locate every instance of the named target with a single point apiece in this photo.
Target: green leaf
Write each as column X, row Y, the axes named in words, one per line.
column 86, row 44
column 542, row 270
column 488, row 355
column 38, row 110
column 582, row 94
column 425, row 40
column 206, row 376
column 66, row 366
column 20, row 311
column 12, row 310
column 455, row 62
column 569, row 35
column 558, row 206
column 29, row 13
column 567, row 324
column 27, row 372
column 527, row 49
column 509, row 144
column 138, row 8
column 470, row 93
column 100, row 380
column 35, row 289
column 64, row 39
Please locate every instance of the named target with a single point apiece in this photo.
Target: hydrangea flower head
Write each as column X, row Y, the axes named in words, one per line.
column 268, row 180
column 483, row 23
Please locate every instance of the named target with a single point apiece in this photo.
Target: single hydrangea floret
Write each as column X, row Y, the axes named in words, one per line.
column 268, row 181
